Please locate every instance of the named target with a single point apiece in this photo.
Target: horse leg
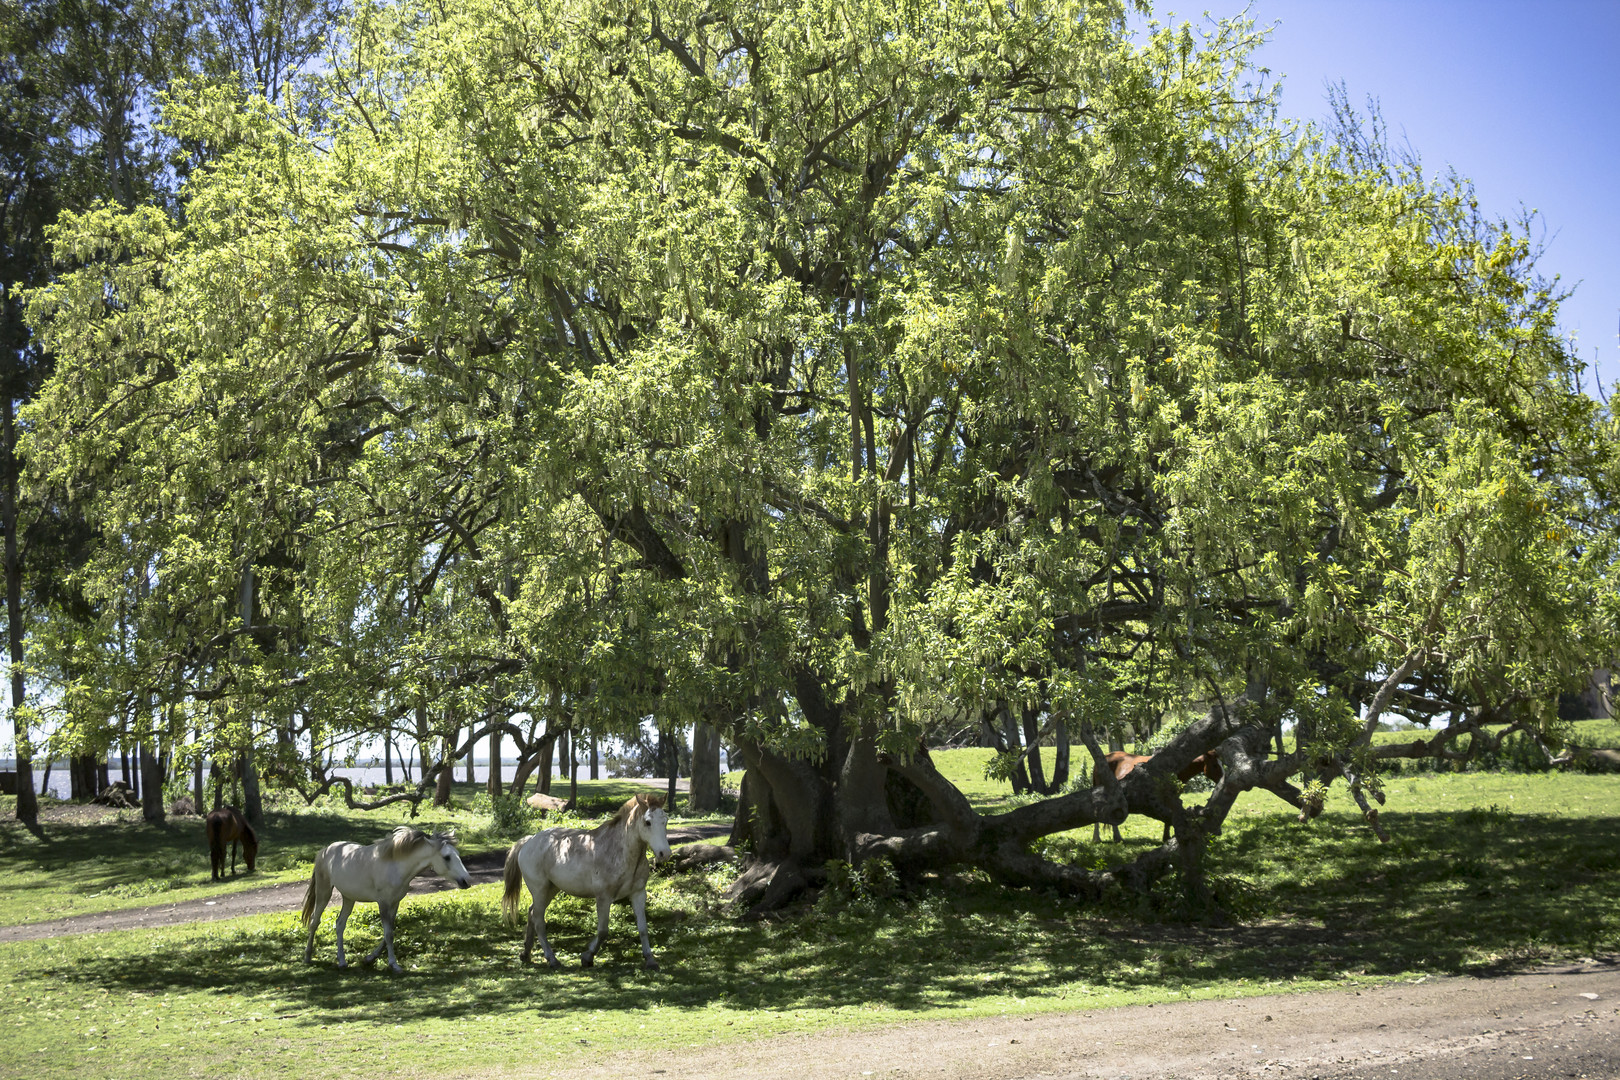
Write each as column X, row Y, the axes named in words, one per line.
column 537, row 924
column 638, row 904
column 387, row 911
column 314, row 925
column 343, row 917
column 1116, row 834
column 603, row 907
column 233, row 858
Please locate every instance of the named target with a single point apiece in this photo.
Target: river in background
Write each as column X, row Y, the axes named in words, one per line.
column 361, row 775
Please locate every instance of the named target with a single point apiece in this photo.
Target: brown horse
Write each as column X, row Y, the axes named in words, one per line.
column 228, row 826
column 1124, row 764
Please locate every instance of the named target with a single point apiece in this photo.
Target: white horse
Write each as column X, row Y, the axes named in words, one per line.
column 380, row 872
column 608, row 862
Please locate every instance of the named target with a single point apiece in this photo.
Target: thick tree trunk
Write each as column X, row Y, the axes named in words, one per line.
column 84, row 776
column 27, row 803
column 548, row 747
column 672, row 767
column 441, row 789
column 424, row 738
column 493, row 784
column 252, row 805
column 537, row 760
column 704, row 797
column 151, row 770
column 1009, row 729
column 795, row 814
column 1032, row 744
column 573, row 774
column 1060, row 758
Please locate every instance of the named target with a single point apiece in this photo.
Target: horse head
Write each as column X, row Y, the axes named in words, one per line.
column 250, row 846
column 447, row 860
column 649, row 822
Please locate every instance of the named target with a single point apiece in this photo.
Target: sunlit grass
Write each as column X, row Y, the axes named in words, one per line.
column 107, row 860
column 1485, row 872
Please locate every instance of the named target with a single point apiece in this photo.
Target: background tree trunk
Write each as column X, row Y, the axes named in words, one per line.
column 1060, row 758
column 82, row 777
column 493, row 785
column 1032, row 744
column 252, row 805
column 548, row 747
column 198, row 792
column 441, row 789
column 151, row 770
column 672, row 742
column 704, row 797
column 27, row 803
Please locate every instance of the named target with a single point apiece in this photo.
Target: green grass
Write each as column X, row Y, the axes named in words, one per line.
column 106, row 860
column 1486, row 872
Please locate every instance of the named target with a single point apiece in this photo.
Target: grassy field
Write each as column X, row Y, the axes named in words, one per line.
column 1486, row 871
column 93, row 858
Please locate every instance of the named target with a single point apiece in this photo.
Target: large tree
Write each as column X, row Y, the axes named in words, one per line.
column 830, row 372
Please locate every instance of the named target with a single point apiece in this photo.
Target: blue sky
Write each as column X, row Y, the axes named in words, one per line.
column 1521, row 97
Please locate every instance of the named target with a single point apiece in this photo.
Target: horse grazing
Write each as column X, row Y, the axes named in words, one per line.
column 1123, row 764
column 228, row 826
column 607, row 862
column 381, row 872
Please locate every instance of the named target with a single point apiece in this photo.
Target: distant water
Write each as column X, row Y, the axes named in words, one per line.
column 361, row 775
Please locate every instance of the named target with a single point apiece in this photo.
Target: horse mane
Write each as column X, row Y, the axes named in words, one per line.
column 401, row 842
column 651, row 800
column 404, row 840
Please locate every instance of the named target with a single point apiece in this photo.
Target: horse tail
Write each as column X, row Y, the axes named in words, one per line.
column 320, row 887
column 512, row 882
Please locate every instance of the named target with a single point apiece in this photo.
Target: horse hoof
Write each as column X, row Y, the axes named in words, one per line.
column 652, row 965
column 586, row 961
column 554, row 965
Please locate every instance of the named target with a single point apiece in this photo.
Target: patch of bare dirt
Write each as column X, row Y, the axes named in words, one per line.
column 1558, row 1022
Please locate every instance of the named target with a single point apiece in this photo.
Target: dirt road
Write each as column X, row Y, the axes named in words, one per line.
column 1560, row 1022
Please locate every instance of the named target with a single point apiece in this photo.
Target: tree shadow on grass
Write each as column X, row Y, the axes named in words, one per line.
column 1468, row 892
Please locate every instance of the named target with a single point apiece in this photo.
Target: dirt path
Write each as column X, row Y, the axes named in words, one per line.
column 269, row 899
column 1559, row 1022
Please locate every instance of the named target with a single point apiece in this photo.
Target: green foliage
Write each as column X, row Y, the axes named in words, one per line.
column 509, row 816
column 870, row 881
column 593, row 361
